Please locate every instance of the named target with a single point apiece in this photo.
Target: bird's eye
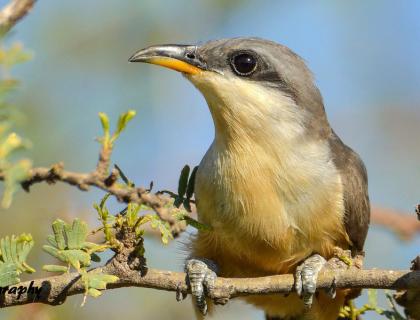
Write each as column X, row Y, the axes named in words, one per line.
column 244, row 64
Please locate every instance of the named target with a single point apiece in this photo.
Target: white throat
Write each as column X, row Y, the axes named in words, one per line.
column 245, row 110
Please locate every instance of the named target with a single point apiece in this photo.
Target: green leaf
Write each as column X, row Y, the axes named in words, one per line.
column 54, row 268
column 127, row 181
column 76, row 258
column 79, row 233
column 15, row 250
column 12, row 143
column 105, row 140
column 8, row 274
column 198, row 225
column 71, row 237
column 93, row 292
column 14, row 172
column 95, row 281
column 54, row 252
column 191, row 181
column 132, row 213
column 13, row 176
column 14, row 55
column 123, row 120
column 103, row 201
column 163, row 227
column 97, row 284
column 105, row 217
column 183, row 181
column 5, row 249
column 186, row 204
column 70, row 243
column 51, row 240
column 58, row 229
column 24, row 244
column 100, row 280
column 104, row 122
column 183, row 215
column 91, row 246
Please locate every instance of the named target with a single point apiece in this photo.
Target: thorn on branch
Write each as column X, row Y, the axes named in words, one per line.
column 150, row 187
column 123, row 176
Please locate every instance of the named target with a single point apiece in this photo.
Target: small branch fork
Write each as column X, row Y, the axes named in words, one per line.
column 107, row 182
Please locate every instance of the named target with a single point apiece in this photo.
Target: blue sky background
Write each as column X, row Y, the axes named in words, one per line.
column 365, row 57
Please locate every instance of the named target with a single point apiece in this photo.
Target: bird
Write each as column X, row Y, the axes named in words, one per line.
column 277, row 187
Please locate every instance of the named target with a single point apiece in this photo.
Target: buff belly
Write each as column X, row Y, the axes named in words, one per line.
column 265, row 221
column 241, row 258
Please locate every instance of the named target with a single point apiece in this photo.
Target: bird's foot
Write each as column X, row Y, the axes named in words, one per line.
column 201, row 276
column 306, row 276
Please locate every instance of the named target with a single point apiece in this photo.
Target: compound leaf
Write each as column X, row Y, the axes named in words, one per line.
column 8, row 274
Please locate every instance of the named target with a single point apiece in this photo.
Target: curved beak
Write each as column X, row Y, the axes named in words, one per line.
column 182, row 58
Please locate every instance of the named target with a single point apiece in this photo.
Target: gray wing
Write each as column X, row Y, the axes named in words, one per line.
column 356, row 198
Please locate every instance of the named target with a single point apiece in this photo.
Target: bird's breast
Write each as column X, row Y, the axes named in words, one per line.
column 269, row 204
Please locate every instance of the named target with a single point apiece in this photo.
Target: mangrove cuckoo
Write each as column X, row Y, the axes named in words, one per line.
column 277, row 186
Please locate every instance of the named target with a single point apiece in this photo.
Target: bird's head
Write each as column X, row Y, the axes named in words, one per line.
column 250, row 84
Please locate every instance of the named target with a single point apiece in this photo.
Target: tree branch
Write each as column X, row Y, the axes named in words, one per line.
column 54, row 290
column 99, row 179
column 405, row 225
column 13, row 12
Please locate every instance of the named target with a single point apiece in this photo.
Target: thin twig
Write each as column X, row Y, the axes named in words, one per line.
column 13, row 12
column 83, row 181
column 405, row 225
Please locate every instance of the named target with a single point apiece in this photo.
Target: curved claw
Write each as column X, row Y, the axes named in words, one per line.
column 306, row 276
column 179, row 294
column 201, row 275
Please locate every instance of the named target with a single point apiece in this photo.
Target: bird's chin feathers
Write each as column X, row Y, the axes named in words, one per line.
column 238, row 105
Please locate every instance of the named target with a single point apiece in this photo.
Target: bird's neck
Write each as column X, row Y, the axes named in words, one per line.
column 244, row 112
